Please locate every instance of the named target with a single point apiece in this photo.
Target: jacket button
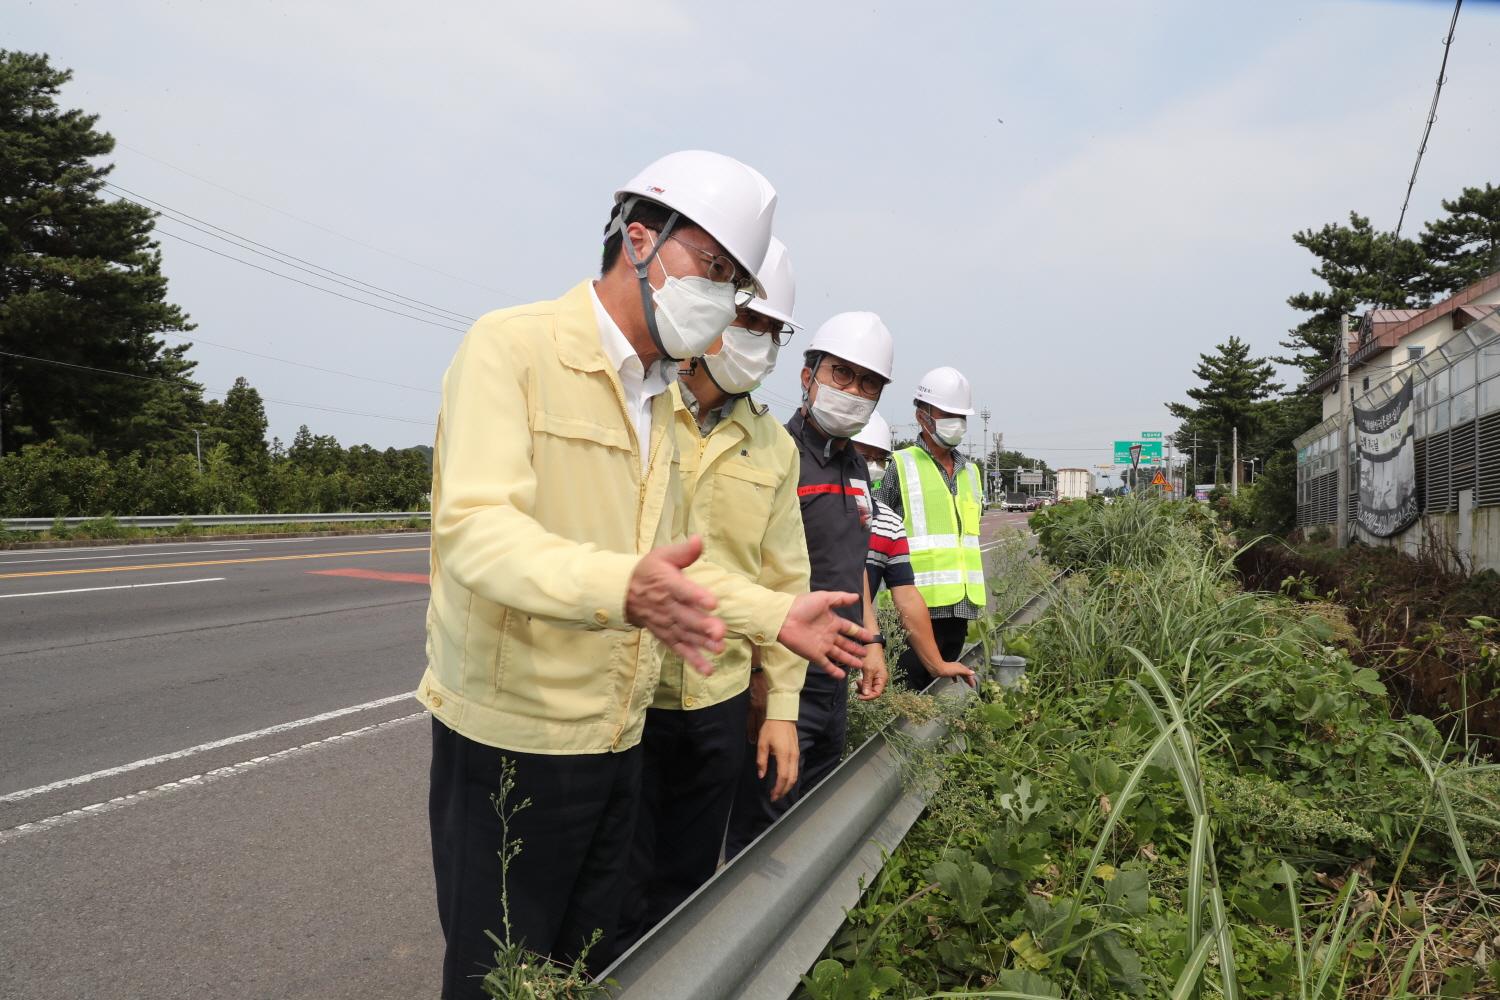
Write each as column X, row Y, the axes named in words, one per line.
column 601, row 616
column 688, row 701
column 437, row 701
column 760, row 638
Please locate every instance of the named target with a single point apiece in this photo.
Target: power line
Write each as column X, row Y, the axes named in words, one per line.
column 314, row 225
column 183, row 383
column 1421, row 149
column 309, row 284
column 299, row 364
column 281, row 257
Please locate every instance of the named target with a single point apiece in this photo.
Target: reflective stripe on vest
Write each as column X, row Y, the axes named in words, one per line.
column 942, row 530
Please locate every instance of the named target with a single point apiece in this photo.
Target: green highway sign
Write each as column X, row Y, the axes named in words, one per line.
column 1150, row 452
column 1149, row 435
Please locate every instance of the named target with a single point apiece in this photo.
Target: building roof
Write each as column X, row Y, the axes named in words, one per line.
column 1382, row 329
column 1382, row 336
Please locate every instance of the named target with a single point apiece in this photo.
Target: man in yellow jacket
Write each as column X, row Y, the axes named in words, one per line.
column 739, row 477
column 558, row 544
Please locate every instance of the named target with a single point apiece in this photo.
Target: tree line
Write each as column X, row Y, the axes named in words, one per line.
column 98, row 410
column 1362, row 269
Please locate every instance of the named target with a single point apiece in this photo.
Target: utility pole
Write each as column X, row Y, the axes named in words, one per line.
column 1341, row 460
column 1234, row 489
column 198, row 447
column 984, row 414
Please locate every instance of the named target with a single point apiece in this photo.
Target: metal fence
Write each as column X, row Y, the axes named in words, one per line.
column 1456, row 426
column 206, row 520
column 752, row 930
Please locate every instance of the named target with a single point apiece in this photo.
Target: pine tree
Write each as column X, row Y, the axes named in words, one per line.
column 1362, row 268
column 1235, row 395
column 80, row 284
column 241, row 423
column 1465, row 247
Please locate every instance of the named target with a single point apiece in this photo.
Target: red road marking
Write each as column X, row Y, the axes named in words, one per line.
column 374, row 574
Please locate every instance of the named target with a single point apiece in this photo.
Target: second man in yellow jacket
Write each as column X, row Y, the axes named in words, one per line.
column 739, row 473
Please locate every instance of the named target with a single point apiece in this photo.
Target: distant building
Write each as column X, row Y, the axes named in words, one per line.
column 1451, row 354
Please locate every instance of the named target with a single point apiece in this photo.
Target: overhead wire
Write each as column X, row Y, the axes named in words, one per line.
column 282, row 257
column 1344, row 361
column 308, row 284
column 184, row 383
column 299, row 364
column 1426, row 134
column 314, row 225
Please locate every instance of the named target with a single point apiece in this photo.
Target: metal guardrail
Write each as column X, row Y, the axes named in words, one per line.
column 205, row 520
column 752, row 930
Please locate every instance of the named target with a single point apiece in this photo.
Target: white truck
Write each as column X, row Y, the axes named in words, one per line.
column 1075, row 484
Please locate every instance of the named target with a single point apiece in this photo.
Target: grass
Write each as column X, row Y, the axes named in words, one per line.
column 1198, row 793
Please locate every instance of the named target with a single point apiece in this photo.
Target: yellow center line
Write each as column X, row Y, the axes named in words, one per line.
column 210, row 562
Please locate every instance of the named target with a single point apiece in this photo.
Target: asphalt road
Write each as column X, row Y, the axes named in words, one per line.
column 214, row 780
column 288, row 863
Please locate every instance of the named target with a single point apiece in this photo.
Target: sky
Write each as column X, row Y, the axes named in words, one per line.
column 1068, row 202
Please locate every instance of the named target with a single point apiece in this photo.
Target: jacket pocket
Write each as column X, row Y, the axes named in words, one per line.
column 742, row 499
column 561, row 425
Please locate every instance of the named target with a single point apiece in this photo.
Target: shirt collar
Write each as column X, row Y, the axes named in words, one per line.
column 813, row 441
column 958, row 457
column 716, row 417
column 620, row 353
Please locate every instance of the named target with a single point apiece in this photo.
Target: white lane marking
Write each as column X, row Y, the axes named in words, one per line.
column 191, row 781
column 122, row 555
column 123, row 586
column 336, row 538
column 110, row 772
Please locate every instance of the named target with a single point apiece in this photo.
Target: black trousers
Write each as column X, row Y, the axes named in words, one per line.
column 575, row 842
column 949, row 633
column 692, row 764
column 822, row 720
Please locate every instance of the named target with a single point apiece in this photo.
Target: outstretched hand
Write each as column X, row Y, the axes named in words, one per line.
column 952, row 668
column 675, row 609
column 820, row 637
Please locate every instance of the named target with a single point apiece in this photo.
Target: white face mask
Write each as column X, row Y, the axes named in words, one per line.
column 949, row 430
column 837, row 413
column 743, row 362
column 691, row 313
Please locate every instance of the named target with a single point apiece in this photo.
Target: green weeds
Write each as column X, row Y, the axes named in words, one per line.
column 1197, row 794
column 519, row 974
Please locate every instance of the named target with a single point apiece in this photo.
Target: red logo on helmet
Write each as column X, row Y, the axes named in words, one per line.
column 655, row 190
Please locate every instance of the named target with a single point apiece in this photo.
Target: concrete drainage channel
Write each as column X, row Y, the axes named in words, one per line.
column 764, row 918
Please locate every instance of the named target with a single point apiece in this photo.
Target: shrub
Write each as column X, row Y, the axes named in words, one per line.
column 44, row 480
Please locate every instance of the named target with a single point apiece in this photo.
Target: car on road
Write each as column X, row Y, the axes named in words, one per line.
column 1016, row 501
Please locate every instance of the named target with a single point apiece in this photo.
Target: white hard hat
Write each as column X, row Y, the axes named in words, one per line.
column 877, row 433
column 731, row 202
column 947, row 389
column 859, row 337
column 776, row 278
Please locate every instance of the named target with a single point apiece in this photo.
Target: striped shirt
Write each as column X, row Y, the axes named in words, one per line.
column 889, row 560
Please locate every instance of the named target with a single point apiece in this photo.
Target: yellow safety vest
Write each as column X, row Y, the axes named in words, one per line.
column 942, row 530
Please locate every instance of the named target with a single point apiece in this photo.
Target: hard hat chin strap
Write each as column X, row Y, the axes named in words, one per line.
column 643, row 267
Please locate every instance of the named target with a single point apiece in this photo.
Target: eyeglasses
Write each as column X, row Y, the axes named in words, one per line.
column 844, row 376
column 721, row 268
column 761, row 325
